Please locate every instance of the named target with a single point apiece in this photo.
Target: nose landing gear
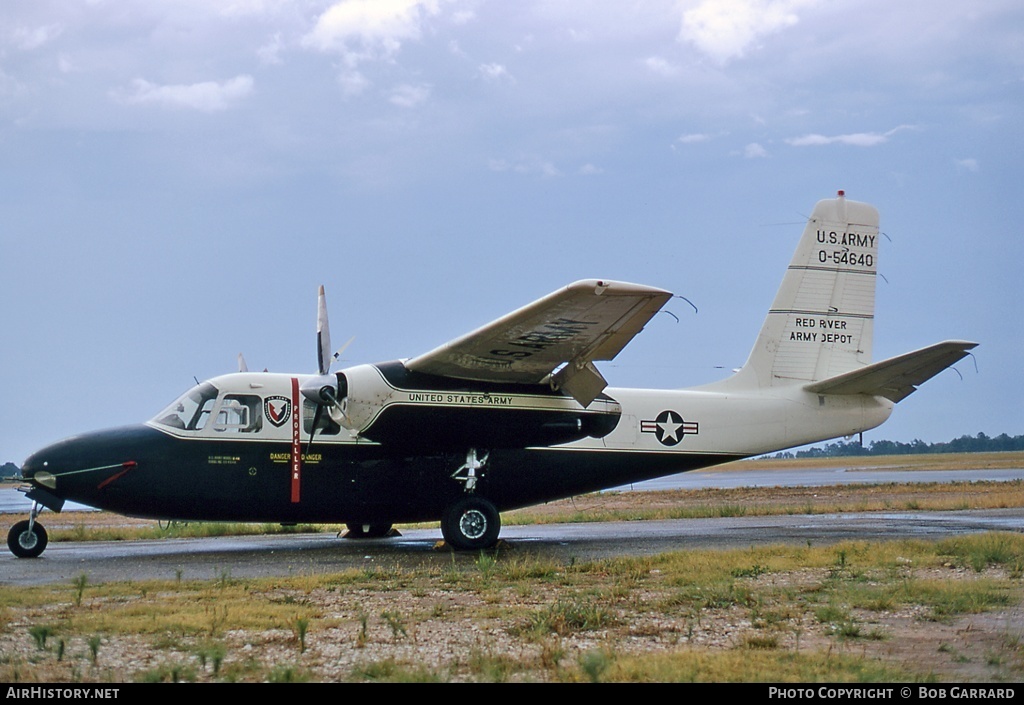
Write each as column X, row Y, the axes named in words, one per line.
column 28, row 539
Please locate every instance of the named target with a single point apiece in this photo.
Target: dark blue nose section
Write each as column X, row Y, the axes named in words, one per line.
column 80, row 468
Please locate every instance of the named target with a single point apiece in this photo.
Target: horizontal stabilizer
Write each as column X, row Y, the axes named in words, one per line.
column 898, row 377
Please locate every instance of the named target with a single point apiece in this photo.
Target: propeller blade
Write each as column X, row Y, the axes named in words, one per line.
column 323, row 334
column 242, row 367
column 340, row 350
column 322, row 390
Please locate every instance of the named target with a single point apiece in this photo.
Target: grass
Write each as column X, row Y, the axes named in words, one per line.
column 773, row 613
column 565, row 617
column 758, row 666
column 138, row 530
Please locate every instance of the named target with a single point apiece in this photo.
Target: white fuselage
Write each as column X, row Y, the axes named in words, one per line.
column 716, row 419
column 736, row 422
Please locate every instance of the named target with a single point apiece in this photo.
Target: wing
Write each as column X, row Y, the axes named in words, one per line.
column 898, row 377
column 585, row 321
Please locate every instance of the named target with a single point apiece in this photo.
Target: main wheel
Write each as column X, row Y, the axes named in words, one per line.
column 25, row 542
column 470, row 524
column 367, row 531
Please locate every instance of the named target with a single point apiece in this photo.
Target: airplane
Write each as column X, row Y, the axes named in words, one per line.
column 512, row 414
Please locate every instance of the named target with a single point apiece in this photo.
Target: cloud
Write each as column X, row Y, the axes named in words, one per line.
column 969, row 164
column 208, row 96
column 659, row 66
column 352, row 82
column 270, row 53
column 364, row 31
column 408, row 96
column 754, row 151
column 455, row 49
column 693, row 138
column 494, row 72
column 378, row 27
column 65, row 64
column 726, row 29
column 856, row 139
column 525, row 165
column 32, row 38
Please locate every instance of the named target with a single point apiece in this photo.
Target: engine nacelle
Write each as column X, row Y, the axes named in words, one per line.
column 389, row 404
column 362, row 395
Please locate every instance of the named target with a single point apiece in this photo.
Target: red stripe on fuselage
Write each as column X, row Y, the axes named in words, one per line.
column 296, row 441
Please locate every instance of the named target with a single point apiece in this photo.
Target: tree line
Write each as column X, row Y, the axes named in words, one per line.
column 980, row 443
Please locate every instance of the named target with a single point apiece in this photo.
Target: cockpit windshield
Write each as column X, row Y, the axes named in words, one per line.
column 191, row 410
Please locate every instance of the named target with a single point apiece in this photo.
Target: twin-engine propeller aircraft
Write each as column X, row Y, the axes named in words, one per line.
column 512, row 414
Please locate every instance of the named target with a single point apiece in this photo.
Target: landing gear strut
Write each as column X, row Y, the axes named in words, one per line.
column 27, row 539
column 473, row 468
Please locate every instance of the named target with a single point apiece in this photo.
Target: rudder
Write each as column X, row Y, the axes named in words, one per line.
column 821, row 323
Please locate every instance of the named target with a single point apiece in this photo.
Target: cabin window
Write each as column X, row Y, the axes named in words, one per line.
column 191, row 410
column 325, row 426
column 239, row 413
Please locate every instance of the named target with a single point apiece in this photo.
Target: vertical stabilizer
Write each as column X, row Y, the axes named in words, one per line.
column 822, row 321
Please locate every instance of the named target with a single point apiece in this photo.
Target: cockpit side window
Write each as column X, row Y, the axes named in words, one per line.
column 191, row 410
column 239, row 413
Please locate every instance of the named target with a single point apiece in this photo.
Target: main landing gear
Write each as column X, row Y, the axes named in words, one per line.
column 27, row 539
column 472, row 523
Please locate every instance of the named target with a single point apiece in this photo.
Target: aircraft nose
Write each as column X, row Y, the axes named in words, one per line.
column 83, row 462
column 36, row 469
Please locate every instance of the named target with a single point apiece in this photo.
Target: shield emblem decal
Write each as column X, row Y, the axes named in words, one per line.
column 277, row 410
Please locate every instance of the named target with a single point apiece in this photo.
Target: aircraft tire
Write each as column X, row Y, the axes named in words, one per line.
column 367, row 531
column 471, row 524
column 25, row 543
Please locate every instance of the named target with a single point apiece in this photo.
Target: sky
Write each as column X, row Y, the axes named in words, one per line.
column 177, row 178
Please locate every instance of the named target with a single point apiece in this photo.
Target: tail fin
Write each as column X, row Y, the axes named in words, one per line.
column 822, row 321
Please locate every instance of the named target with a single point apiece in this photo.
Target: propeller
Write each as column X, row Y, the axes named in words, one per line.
column 323, row 333
column 322, row 390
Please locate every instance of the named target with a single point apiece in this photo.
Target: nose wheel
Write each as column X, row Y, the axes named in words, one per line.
column 27, row 538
